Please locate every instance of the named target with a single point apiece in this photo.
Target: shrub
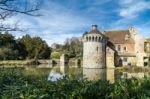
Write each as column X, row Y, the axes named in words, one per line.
column 70, row 54
column 14, row 84
column 56, row 55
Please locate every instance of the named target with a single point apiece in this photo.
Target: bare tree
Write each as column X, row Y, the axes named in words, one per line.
column 9, row 8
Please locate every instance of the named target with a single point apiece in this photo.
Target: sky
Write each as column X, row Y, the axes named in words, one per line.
column 61, row 19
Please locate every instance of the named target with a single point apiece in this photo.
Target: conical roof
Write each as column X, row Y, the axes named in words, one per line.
column 95, row 30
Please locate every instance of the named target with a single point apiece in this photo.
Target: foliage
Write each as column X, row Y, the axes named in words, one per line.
column 55, row 55
column 15, row 84
column 35, row 47
column 70, row 54
column 26, row 47
column 72, row 47
column 10, row 48
column 11, row 8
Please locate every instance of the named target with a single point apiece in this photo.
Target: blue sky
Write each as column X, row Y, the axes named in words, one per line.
column 63, row 19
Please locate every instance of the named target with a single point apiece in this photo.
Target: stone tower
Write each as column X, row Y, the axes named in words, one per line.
column 94, row 49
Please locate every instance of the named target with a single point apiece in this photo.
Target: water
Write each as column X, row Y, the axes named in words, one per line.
column 58, row 72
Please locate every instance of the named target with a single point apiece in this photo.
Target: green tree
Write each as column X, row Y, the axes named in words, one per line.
column 27, row 42
column 35, row 47
column 73, row 47
column 10, row 48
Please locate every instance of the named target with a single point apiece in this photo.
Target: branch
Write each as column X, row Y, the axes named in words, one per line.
column 10, row 8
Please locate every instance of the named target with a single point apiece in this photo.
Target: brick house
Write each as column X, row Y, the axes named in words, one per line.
column 125, row 48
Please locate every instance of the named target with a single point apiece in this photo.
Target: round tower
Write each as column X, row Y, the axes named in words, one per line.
column 94, row 49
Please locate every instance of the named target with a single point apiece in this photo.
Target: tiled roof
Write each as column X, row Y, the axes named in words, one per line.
column 118, row 37
column 96, row 32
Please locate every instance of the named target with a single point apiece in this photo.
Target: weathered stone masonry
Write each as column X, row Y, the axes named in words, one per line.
column 94, row 49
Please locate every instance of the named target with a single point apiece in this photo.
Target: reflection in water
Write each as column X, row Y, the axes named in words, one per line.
column 64, row 69
column 59, row 72
column 135, row 75
column 54, row 75
column 110, row 75
column 94, row 74
column 44, row 66
column 99, row 74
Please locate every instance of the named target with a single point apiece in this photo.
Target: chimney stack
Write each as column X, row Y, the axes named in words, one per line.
column 94, row 27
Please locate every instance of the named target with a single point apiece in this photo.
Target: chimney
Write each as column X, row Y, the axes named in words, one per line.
column 94, row 27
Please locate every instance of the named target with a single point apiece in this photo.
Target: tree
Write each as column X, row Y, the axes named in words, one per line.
column 9, row 8
column 35, row 47
column 10, row 48
column 26, row 47
column 72, row 47
column 27, row 42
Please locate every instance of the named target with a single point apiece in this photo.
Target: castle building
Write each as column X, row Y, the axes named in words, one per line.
column 108, row 49
column 94, row 49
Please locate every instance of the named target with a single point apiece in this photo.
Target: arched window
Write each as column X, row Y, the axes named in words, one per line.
column 93, row 38
column 96, row 38
column 99, row 39
column 86, row 38
column 90, row 38
column 97, row 49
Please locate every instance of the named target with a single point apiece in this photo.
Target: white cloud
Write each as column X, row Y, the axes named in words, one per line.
column 132, row 8
column 56, row 24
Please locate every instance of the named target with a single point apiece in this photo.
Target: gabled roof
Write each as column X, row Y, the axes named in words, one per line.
column 118, row 36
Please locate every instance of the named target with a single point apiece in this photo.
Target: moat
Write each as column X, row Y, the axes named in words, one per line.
column 54, row 73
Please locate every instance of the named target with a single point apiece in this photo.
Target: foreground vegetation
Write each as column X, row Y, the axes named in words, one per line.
column 16, row 84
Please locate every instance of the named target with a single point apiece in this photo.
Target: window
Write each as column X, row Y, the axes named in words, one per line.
column 146, row 47
column 125, row 59
column 119, row 47
column 97, row 49
column 125, row 48
column 93, row 38
column 99, row 39
column 86, row 38
column 89, row 38
column 96, row 38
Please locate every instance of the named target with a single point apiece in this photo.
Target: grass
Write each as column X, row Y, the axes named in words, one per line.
column 17, row 62
column 15, row 84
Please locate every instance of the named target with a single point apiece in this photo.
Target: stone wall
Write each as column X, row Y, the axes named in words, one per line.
column 94, row 51
column 130, row 61
column 110, row 56
column 94, row 55
column 140, row 59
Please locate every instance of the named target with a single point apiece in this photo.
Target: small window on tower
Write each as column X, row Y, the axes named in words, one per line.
column 119, row 47
column 86, row 38
column 97, row 49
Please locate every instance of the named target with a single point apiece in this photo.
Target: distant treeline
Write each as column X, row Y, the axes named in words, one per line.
column 26, row 47
column 72, row 47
